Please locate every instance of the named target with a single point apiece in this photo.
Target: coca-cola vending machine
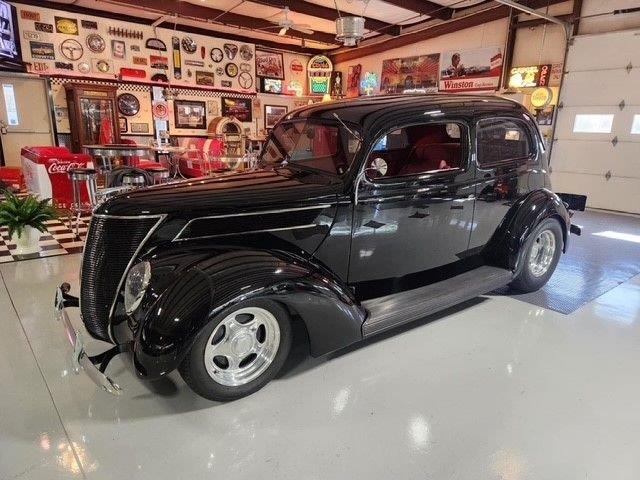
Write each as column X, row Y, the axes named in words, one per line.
column 46, row 170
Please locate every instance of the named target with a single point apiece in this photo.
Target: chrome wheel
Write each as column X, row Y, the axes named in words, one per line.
column 242, row 346
column 542, row 253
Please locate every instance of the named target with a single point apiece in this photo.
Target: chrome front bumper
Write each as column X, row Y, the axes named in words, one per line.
column 81, row 360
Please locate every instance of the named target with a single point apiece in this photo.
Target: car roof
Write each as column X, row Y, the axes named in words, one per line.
column 368, row 110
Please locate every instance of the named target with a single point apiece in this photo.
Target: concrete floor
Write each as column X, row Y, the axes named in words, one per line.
column 494, row 389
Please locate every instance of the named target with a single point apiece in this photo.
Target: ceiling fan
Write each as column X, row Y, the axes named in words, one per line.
column 284, row 24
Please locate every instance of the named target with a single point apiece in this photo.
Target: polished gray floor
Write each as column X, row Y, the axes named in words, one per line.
column 495, row 389
column 607, row 255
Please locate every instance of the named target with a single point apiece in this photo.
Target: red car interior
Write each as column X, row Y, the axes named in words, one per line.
column 424, row 148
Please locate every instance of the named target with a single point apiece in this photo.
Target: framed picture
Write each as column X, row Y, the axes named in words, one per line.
column 239, row 108
column 269, row 64
column 118, row 49
column 273, row 113
column 139, row 128
column 545, row 115
column 190, row 114
column 122, row 123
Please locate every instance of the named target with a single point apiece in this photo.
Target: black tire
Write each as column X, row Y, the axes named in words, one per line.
column 526, row 280
column 193, row 369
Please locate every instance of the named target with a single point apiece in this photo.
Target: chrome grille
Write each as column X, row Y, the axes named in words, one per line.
column 111, row 243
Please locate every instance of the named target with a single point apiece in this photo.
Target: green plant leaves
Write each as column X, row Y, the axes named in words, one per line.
column 17, row 213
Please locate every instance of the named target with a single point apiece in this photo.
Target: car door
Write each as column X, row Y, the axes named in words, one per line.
column 509, row 166
column 413, row 209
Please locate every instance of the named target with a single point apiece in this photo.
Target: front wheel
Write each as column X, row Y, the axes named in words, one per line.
column 239, row 351
column 539, row 257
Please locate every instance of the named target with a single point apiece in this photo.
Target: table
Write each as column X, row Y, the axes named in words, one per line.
column 171, row 153
column 108, row 153
column 117, row 150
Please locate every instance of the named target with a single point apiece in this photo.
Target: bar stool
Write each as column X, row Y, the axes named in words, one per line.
column 78, row 176
column 133, row 180
column 160, row 175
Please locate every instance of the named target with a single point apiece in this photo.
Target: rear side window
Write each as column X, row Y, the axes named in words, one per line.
column 500, row 140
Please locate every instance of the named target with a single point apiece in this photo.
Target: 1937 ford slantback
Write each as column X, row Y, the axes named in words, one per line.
column 365, row 215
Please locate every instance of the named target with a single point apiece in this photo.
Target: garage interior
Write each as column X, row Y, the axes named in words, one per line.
column 504, row 386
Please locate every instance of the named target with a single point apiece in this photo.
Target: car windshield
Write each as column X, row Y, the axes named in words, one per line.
column 320, row 145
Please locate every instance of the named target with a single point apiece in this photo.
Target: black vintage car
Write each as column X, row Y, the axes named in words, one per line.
column 365, row 215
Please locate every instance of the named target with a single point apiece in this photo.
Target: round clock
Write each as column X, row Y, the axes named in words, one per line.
column 245, row 53
column 245, row 80
column 71, row 49
column 128, row 104
column 216, row 55
column 103, row 66
column 96, row 43
column 84, row 67
column 189, row 45
column 231, row 69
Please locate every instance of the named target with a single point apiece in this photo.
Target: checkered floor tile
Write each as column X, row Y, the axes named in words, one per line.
column 60, row 239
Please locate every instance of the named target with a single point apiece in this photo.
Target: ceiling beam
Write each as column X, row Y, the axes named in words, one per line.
column 424, row 7
column 183, row 28
column 328, row 13
column 456, row 24
column 214, row 15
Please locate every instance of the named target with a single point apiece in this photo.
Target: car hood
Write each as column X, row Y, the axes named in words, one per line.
column 227, row 194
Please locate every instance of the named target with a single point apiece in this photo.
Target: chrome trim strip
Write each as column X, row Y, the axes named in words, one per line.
column 129, row 217
column 248, row 214
column 161, row 218
column 266, row 230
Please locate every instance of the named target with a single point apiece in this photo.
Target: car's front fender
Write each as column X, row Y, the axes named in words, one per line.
column 192, row 289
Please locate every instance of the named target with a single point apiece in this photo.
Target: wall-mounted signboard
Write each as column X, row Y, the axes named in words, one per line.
column 530, row 77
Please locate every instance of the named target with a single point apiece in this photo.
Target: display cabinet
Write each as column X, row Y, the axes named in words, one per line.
column 93, row 116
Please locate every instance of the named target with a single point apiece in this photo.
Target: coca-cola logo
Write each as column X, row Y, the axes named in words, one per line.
column 62, row 167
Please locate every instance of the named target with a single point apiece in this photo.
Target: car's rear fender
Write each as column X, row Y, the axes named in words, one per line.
column 522, row 218
column 177, row 308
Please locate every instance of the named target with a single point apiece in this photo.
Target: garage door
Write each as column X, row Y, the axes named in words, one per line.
column 597, row 148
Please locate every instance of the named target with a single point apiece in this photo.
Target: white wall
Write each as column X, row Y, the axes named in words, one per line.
column 608, row 23
column 540, row 45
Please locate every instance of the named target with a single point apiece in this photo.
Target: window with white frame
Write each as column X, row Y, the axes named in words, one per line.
column 635, row 127
column 593, row 123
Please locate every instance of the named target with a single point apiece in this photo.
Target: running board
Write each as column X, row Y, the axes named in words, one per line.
column 399, row 308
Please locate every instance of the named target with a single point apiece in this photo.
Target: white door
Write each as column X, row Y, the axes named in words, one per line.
column 597, row 140
column 25, row 115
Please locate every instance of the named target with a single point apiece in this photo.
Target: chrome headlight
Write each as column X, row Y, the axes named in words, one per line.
column 135, row 286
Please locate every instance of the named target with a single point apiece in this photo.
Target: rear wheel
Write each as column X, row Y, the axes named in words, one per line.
column 239, row 352
column 539, row 257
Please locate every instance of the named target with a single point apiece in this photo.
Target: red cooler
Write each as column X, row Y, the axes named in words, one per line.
column 46, row 173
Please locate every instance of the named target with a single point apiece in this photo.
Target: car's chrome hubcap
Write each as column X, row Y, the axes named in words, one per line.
column 242, row 346
column 542, row 252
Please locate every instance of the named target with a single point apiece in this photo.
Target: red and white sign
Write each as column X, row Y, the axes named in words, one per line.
column 296, row 66
column 160, row 110
column 471, row 70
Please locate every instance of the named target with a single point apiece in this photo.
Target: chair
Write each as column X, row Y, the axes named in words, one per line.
column 78, row 176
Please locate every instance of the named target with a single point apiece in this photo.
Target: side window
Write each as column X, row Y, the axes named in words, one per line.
column 500, row 140
column 418, row 149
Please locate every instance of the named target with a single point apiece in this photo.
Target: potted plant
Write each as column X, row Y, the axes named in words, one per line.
column 25, row 219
